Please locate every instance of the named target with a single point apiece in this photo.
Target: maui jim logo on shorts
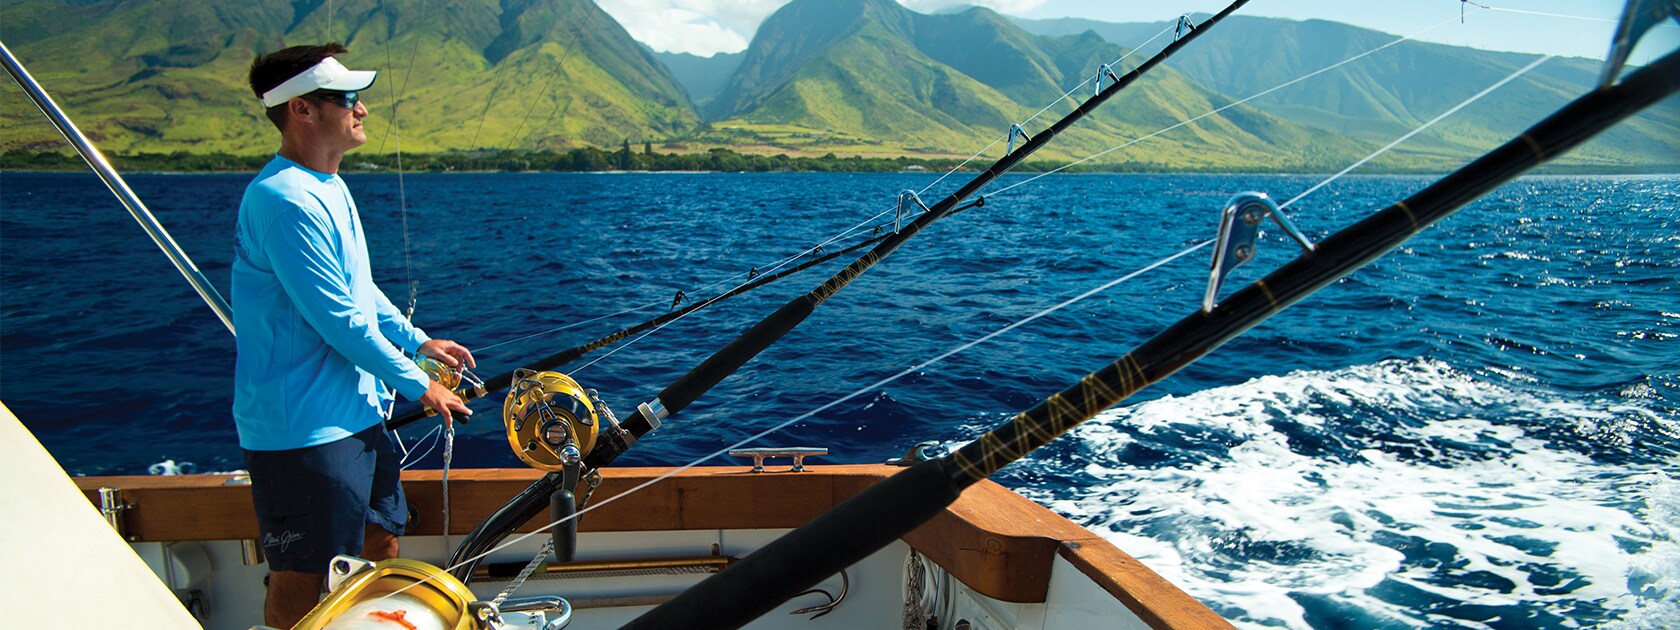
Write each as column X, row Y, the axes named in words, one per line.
column 284, row 540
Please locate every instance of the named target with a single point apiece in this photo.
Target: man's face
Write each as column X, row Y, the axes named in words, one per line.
column 340, row 127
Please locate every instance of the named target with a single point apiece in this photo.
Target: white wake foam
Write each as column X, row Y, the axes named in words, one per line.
column 1266, row 528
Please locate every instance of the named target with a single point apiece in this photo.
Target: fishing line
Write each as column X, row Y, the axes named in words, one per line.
column 436, row 431
column 1046, row 108
column 924, row 189
column 922, row 365
column 644, row 335
column 1522, row 71
column 749, row 344
column 752, row 342
column 1097, row 77
column 852, row 232
column 402, row 201
column 1220, row 109
column 1545, row 14
column 413, row 55
column 797, row 256
column 495, row 86
column 896, row 505
column 804, row 416
column 1057, row 307
column 551, row 75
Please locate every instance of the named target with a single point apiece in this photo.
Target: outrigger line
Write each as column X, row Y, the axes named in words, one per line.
column 554, row 361
column 613, row 442
column 503, row 381
column 893, row 507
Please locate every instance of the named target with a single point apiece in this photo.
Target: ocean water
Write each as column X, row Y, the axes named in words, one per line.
column 1478, row 431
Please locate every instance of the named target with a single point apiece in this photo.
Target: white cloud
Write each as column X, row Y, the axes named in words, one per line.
column 707, row 27
column 700, row 27
column 1001, row 6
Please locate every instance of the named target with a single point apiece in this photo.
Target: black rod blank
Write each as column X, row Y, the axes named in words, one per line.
column 756, row 339
column 899, row 504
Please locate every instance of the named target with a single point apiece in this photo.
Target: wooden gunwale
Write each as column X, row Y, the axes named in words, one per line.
column 997, row 542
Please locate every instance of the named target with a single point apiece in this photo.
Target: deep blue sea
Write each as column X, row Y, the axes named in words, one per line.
column 1480, row 430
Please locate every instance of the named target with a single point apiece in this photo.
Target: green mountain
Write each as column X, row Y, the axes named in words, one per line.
column 1380, row 97
column 854, row 77
column 169, row 75
column 703, row 77
column 883, row 78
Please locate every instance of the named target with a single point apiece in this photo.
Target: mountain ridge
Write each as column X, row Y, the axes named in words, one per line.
column 861, row 77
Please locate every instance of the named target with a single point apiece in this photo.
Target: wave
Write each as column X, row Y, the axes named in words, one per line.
column 1397, row 494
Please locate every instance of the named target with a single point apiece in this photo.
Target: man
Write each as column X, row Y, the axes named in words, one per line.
column 318, row 342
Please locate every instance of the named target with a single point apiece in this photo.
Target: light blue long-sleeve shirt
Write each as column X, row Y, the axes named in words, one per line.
column 316, row 337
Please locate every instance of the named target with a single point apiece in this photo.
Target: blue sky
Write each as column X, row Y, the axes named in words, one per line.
column 707, row 27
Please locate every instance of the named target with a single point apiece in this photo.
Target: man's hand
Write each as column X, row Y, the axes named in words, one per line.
column 448, row 352
column 438, row 398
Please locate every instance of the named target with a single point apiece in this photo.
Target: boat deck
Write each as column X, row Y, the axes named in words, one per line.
column 994, row 541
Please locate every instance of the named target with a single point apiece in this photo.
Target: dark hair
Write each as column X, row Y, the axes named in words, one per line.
column 270, row 70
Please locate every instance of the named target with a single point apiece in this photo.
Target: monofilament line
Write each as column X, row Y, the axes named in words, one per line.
column 1478, row 96
column 1221, row 109
column 785, row 262
column 850, row 232
column 838, row 237
column 804, row 416
column 1046, row 108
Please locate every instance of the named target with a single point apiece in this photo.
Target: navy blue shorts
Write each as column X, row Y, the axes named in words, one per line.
column 314, row 503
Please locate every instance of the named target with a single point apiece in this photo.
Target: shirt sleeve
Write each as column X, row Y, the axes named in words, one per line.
column 396, row 327
column 309, row 267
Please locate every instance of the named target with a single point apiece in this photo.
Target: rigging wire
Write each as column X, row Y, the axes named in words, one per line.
column 790, row 259
column 994, row 334
column 1223, row 108
column 763, row 270
column 576, row 32
column 402, row 198
column 1046, row 108
column 1521, row 71
column 749, row 344
column 838, row 401
column 496, row 86
column 893, row 507
column 1111, row 284
column 838, row 237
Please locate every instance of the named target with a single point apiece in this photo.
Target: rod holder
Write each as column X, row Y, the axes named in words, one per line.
column 1239, row 235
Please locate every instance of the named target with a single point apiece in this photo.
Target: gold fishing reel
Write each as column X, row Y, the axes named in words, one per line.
column 550, row 419
column 456, row 379
column 405, row 593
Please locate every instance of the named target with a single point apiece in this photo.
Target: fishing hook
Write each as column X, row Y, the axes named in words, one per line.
column 823, row 609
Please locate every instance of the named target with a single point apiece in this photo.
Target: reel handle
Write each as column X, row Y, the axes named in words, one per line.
column 562, row 505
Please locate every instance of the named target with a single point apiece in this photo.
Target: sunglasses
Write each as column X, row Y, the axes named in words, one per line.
column 347, row 100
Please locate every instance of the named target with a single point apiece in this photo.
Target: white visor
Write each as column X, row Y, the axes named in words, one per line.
column 327, row 75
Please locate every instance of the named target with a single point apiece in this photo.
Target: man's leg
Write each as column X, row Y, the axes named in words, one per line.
column 378, row 544
column 387, row 507
column 311, row 504
column 291, row 595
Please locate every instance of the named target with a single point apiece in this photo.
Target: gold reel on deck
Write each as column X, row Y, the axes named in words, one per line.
column 362, row 597
column 545, row 413
column 405, row 593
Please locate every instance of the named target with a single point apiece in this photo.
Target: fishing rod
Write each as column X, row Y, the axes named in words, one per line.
column 504, row 380
column 612, row 443
column 899, row 504
column 114, row 182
